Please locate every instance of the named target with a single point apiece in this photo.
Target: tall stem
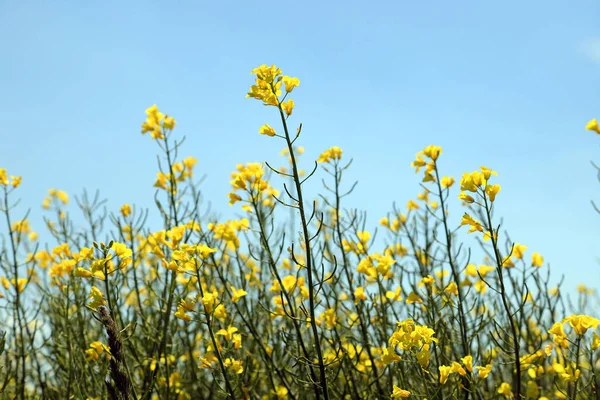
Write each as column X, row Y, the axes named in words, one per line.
column 513, row 326
column 309, row 263
column 19, row 337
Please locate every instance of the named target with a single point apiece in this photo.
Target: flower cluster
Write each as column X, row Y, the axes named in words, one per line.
column 414, row 339
column 427, row 158
column 157, row 123
column 330, row 155
column 249, row 179
column 14, row 181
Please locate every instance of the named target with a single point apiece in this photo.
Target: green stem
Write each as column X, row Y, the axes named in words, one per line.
column 503, row 295
column 309, row 266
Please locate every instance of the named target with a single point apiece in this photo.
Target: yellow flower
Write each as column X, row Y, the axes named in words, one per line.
column 289, row 282
column 483, row 372
column 155, row 121
column 468, row 362
column 480, row 286
column 413, row 298
column 413, row 338
column 180, row 313
column 427, row 281
column 290, row 83
column 452, row 289
column 432, row 151
column 189, row 162
column 506, row 390
column 235, row 365
column 359, row 294
column 567, row 374
column 456, row 367
column 471, row 270
column 281, row 392
column 15, row 181
column 560, row 338
column 537, row 260
column 288, row 107
column 171, row 265
column 475, row 225
column 203, row 251
column 595, row 341
column 227, row 333
column 330, row 317
column 21, row 226
column 97, row 298
column 445, row 372
column 267, row 130
column 333, row 153
column 234, row 198
column 395, row 295
column 188, row 304
column 19, row 284
column 581, row 323
column 400, row 393
column 447, row 181
column 210, row 301
column 492, row 191
column 418, row 163
column 593, row 126
column 221, row 312
column 3, row 177
column 237, row 294
column 518, row 250
column 268, row 85
column 388, row 355
column 487, row 172
column 162, row 180
column 467, row 182
column 466, row 198
column 557, row 329
column 83, row 273
column 125, row 210
column 121, row 250
column 62, row 196
column 46, row 203
column 363, row 237
column 169, row 122
column 581, row 288
column 96, row 350
column 412, row 205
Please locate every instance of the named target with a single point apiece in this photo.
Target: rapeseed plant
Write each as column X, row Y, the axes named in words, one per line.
column 205, row 308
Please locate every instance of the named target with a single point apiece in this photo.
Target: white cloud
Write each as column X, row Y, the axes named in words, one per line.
column 590, row 48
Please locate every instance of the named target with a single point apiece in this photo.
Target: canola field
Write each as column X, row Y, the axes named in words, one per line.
column 294, row 300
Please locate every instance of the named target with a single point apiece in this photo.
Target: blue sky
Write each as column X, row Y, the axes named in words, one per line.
column 506, row 84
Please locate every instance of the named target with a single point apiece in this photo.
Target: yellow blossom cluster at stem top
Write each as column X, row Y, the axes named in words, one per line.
column 250, row 186
column 330, row 155
column 593, row 126
column 6, row 180
column 267, row 88
column 157, row 123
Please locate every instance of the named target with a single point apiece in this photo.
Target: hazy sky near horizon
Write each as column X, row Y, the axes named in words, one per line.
column 506, row 84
